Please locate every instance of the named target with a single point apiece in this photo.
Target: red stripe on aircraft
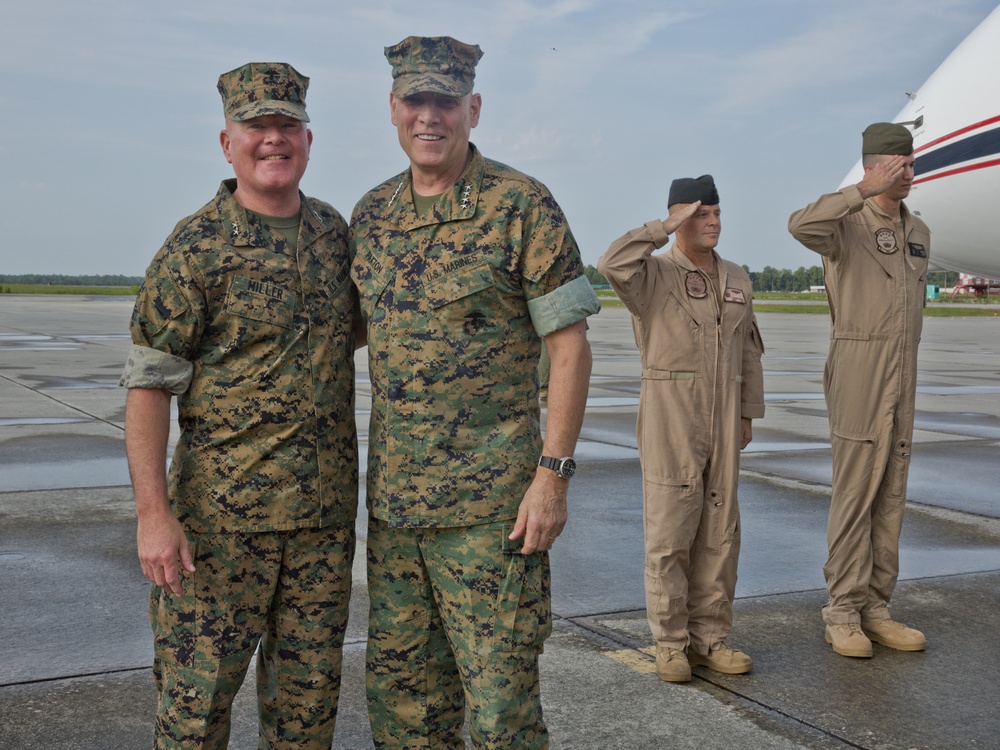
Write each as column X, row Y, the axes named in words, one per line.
column 968, row 168
column 964, row 130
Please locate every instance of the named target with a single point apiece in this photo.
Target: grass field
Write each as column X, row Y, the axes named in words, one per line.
column 105, row 291
column 779, row 302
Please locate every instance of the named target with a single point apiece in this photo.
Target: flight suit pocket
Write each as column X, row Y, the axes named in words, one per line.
column 853, row 462
column 466, row 305
column 721, row 526
column 523, row 617
column 900, row 468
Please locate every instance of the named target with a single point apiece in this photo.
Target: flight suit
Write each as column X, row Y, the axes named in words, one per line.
column 256, row 340
column 875, row 272
column 701, row 374
column 456, row 301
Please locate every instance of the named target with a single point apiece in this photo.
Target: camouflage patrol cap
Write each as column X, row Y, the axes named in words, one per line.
column 691, row 189
column 435, row 64
column 887, row 138
column 257, row 89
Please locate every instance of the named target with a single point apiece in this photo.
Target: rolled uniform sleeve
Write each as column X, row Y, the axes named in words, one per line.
column 564, row 306
column 150, row 368
column 166, row 326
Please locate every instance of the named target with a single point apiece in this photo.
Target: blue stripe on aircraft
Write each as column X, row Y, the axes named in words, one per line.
column 974, row 147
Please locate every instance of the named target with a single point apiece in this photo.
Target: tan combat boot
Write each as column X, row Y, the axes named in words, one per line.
column 723, row 659
column 848, row 640
column 894, row 635
column 672, row 665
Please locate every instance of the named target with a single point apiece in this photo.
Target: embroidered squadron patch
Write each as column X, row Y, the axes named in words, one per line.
column 886, row 241
column 695, row 284
column 734, row 295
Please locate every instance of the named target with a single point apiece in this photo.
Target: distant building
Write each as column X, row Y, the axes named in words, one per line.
column 978, row 286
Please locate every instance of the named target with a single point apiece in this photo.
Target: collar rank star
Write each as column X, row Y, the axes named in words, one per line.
column 563, row 467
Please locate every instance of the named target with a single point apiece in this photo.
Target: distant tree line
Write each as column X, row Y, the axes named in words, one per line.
column 60, row 279
column 784, row 280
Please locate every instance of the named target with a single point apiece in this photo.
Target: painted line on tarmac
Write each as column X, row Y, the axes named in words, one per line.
column 642, row 661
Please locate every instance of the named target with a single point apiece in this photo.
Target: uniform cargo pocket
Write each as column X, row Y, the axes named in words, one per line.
column 523, row 618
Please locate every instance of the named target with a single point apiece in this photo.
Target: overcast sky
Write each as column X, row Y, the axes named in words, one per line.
column 109, row 131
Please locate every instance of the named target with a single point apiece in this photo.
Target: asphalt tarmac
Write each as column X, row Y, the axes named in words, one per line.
column 75, row 646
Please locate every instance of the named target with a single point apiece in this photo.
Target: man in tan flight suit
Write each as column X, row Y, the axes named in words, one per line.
column 702, row 384
column 875, row 255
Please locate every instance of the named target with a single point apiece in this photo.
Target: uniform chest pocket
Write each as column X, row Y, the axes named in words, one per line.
column 262, row 302
column 339, row 298
column 371, row 278
column 465, row 306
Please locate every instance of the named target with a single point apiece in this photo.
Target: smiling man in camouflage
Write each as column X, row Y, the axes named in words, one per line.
column 463, row 265
column 247, row 315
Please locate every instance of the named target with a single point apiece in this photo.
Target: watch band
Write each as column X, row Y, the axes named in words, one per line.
column 563, row 467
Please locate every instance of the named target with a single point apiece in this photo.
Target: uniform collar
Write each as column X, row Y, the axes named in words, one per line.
column 677, row 256
column 243, row 229
column 904, row 212
column 455, row 204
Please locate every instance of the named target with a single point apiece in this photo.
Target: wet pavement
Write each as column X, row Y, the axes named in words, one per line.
column 75, row 648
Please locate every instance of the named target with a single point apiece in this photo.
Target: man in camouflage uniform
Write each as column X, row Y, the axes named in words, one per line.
column 875, row 256
column 248, row 316
column 463, row 266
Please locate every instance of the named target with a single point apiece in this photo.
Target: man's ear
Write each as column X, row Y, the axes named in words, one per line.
column 225, row 143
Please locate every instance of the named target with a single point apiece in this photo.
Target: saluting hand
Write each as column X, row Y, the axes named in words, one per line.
column 881, row 177
column 674, row 220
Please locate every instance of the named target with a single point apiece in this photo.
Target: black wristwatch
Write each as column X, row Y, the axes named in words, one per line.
column 563, row 467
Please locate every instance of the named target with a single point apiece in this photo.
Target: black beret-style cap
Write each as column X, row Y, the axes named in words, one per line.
column 887, row 138
column 691, row 189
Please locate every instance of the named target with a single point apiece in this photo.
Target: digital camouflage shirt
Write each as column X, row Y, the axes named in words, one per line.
column 256, row 340
column 455, row 302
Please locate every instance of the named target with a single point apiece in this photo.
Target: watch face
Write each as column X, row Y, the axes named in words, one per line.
column 568, row 468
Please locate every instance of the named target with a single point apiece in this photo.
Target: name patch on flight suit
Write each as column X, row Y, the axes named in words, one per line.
column 696, row 285
column 918, row 250
column 885, row 239
column 734, row 295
